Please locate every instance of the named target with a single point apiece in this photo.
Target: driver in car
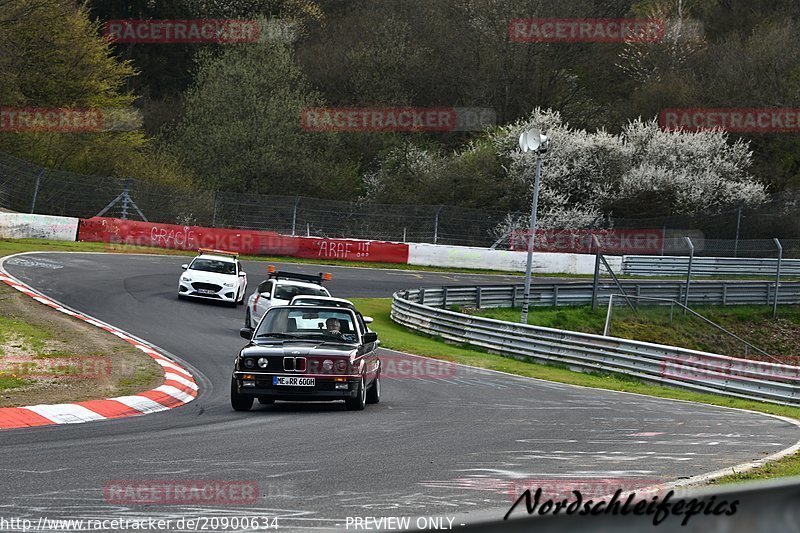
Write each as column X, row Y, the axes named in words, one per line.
column 332, row 326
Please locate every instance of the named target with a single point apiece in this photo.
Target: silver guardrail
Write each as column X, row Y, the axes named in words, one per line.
column 666, row 365
column 580, row 293
column 654, row 265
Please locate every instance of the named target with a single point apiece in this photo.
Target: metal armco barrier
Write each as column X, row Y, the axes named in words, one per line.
column 648, row 265
column 667, row 365
column 580, row 293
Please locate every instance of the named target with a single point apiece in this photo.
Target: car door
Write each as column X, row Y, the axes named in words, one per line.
column 242, row 277
column 369, row 350
column 263, row 300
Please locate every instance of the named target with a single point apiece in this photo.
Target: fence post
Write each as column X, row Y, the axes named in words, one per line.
column 436, row 225
column 688, row 274
column 404, row 234
column 214, row 215
column 294, row 214
column 596, row 272
column 738, row 225
column 777, row 278
column 126, row 198
column 36, row 189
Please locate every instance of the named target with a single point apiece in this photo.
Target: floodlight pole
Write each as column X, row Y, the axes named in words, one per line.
column 529, row 266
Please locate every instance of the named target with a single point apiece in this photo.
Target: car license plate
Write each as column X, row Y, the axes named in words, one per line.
column 294, row 381
column 206, row 291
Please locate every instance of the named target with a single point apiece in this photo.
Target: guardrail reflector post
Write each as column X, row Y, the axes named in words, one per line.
column 777, row 278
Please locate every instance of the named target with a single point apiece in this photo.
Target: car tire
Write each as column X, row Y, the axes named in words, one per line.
column 263, row 400
column 357, row 403
column 240, row 402
column 247, row 319
column 374, row 392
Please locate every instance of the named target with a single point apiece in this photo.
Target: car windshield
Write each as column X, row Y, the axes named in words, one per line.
column 213, row 265
column 318, row 324
column 287, row 292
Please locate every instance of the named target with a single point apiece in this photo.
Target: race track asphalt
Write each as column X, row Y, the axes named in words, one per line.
column 435, row 446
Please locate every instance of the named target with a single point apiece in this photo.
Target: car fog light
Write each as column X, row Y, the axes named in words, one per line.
column 341, row 386
column 249, row 363
column 263, row 362
column 248, row 383
column 228, row 284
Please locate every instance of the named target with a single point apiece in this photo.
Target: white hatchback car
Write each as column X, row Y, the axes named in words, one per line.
column 279, row 289
column 214, row 275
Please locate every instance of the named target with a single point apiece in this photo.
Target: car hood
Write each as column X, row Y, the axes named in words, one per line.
column 210, row 277
column 299, row 349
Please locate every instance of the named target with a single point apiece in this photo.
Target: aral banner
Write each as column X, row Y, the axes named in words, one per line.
column 127, row 233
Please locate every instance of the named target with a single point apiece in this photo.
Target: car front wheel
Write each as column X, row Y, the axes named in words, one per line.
column 240, row 402
column 358, row 403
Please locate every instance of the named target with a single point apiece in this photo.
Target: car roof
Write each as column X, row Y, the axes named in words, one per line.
column 307, row 308
column 295, row 283
column 225, row 258
column 320, row 298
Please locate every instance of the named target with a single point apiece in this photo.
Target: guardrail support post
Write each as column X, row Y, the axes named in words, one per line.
column 555, row 296
column 421, row 296
column 513, row 297
column 478, row 298
column 688, row 273
column 444, row 297
column 777, row 278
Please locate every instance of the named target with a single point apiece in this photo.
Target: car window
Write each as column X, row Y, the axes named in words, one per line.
column 287, row 292
column 265, row 286
column 304, row 322
column 213, row 265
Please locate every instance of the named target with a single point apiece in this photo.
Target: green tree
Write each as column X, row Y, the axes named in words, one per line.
column 241, row 128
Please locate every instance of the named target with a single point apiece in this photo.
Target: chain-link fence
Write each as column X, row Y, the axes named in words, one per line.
column 30, row 188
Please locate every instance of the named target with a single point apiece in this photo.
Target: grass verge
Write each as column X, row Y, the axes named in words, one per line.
column 396, row 337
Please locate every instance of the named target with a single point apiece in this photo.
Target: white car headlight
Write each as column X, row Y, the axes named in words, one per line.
column 186, row 278
column 229, row 284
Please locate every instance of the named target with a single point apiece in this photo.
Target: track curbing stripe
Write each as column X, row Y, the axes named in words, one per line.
column 179, row 386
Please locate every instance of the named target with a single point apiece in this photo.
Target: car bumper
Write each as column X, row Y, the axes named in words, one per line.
column 226, row 294
column 324, row 389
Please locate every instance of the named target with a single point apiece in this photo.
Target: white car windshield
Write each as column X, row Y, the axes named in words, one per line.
column 307, row 323
column 213, row 265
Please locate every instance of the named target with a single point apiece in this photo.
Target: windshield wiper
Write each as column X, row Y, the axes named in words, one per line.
column 275, row 335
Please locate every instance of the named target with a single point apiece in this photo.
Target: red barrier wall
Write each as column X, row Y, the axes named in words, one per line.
column 118, row 233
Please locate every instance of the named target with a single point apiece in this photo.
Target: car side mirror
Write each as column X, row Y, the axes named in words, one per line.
column 246, row 333
column 242, row 274
column 370, row 337
column 265, row 295
column 185, row 266
column 368, row 320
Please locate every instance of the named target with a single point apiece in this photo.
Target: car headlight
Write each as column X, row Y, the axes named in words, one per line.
column 263, row 362
column 229, row 284
column 341, row 365
column 186, row 278
column 249, row 363
column 327, row 365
